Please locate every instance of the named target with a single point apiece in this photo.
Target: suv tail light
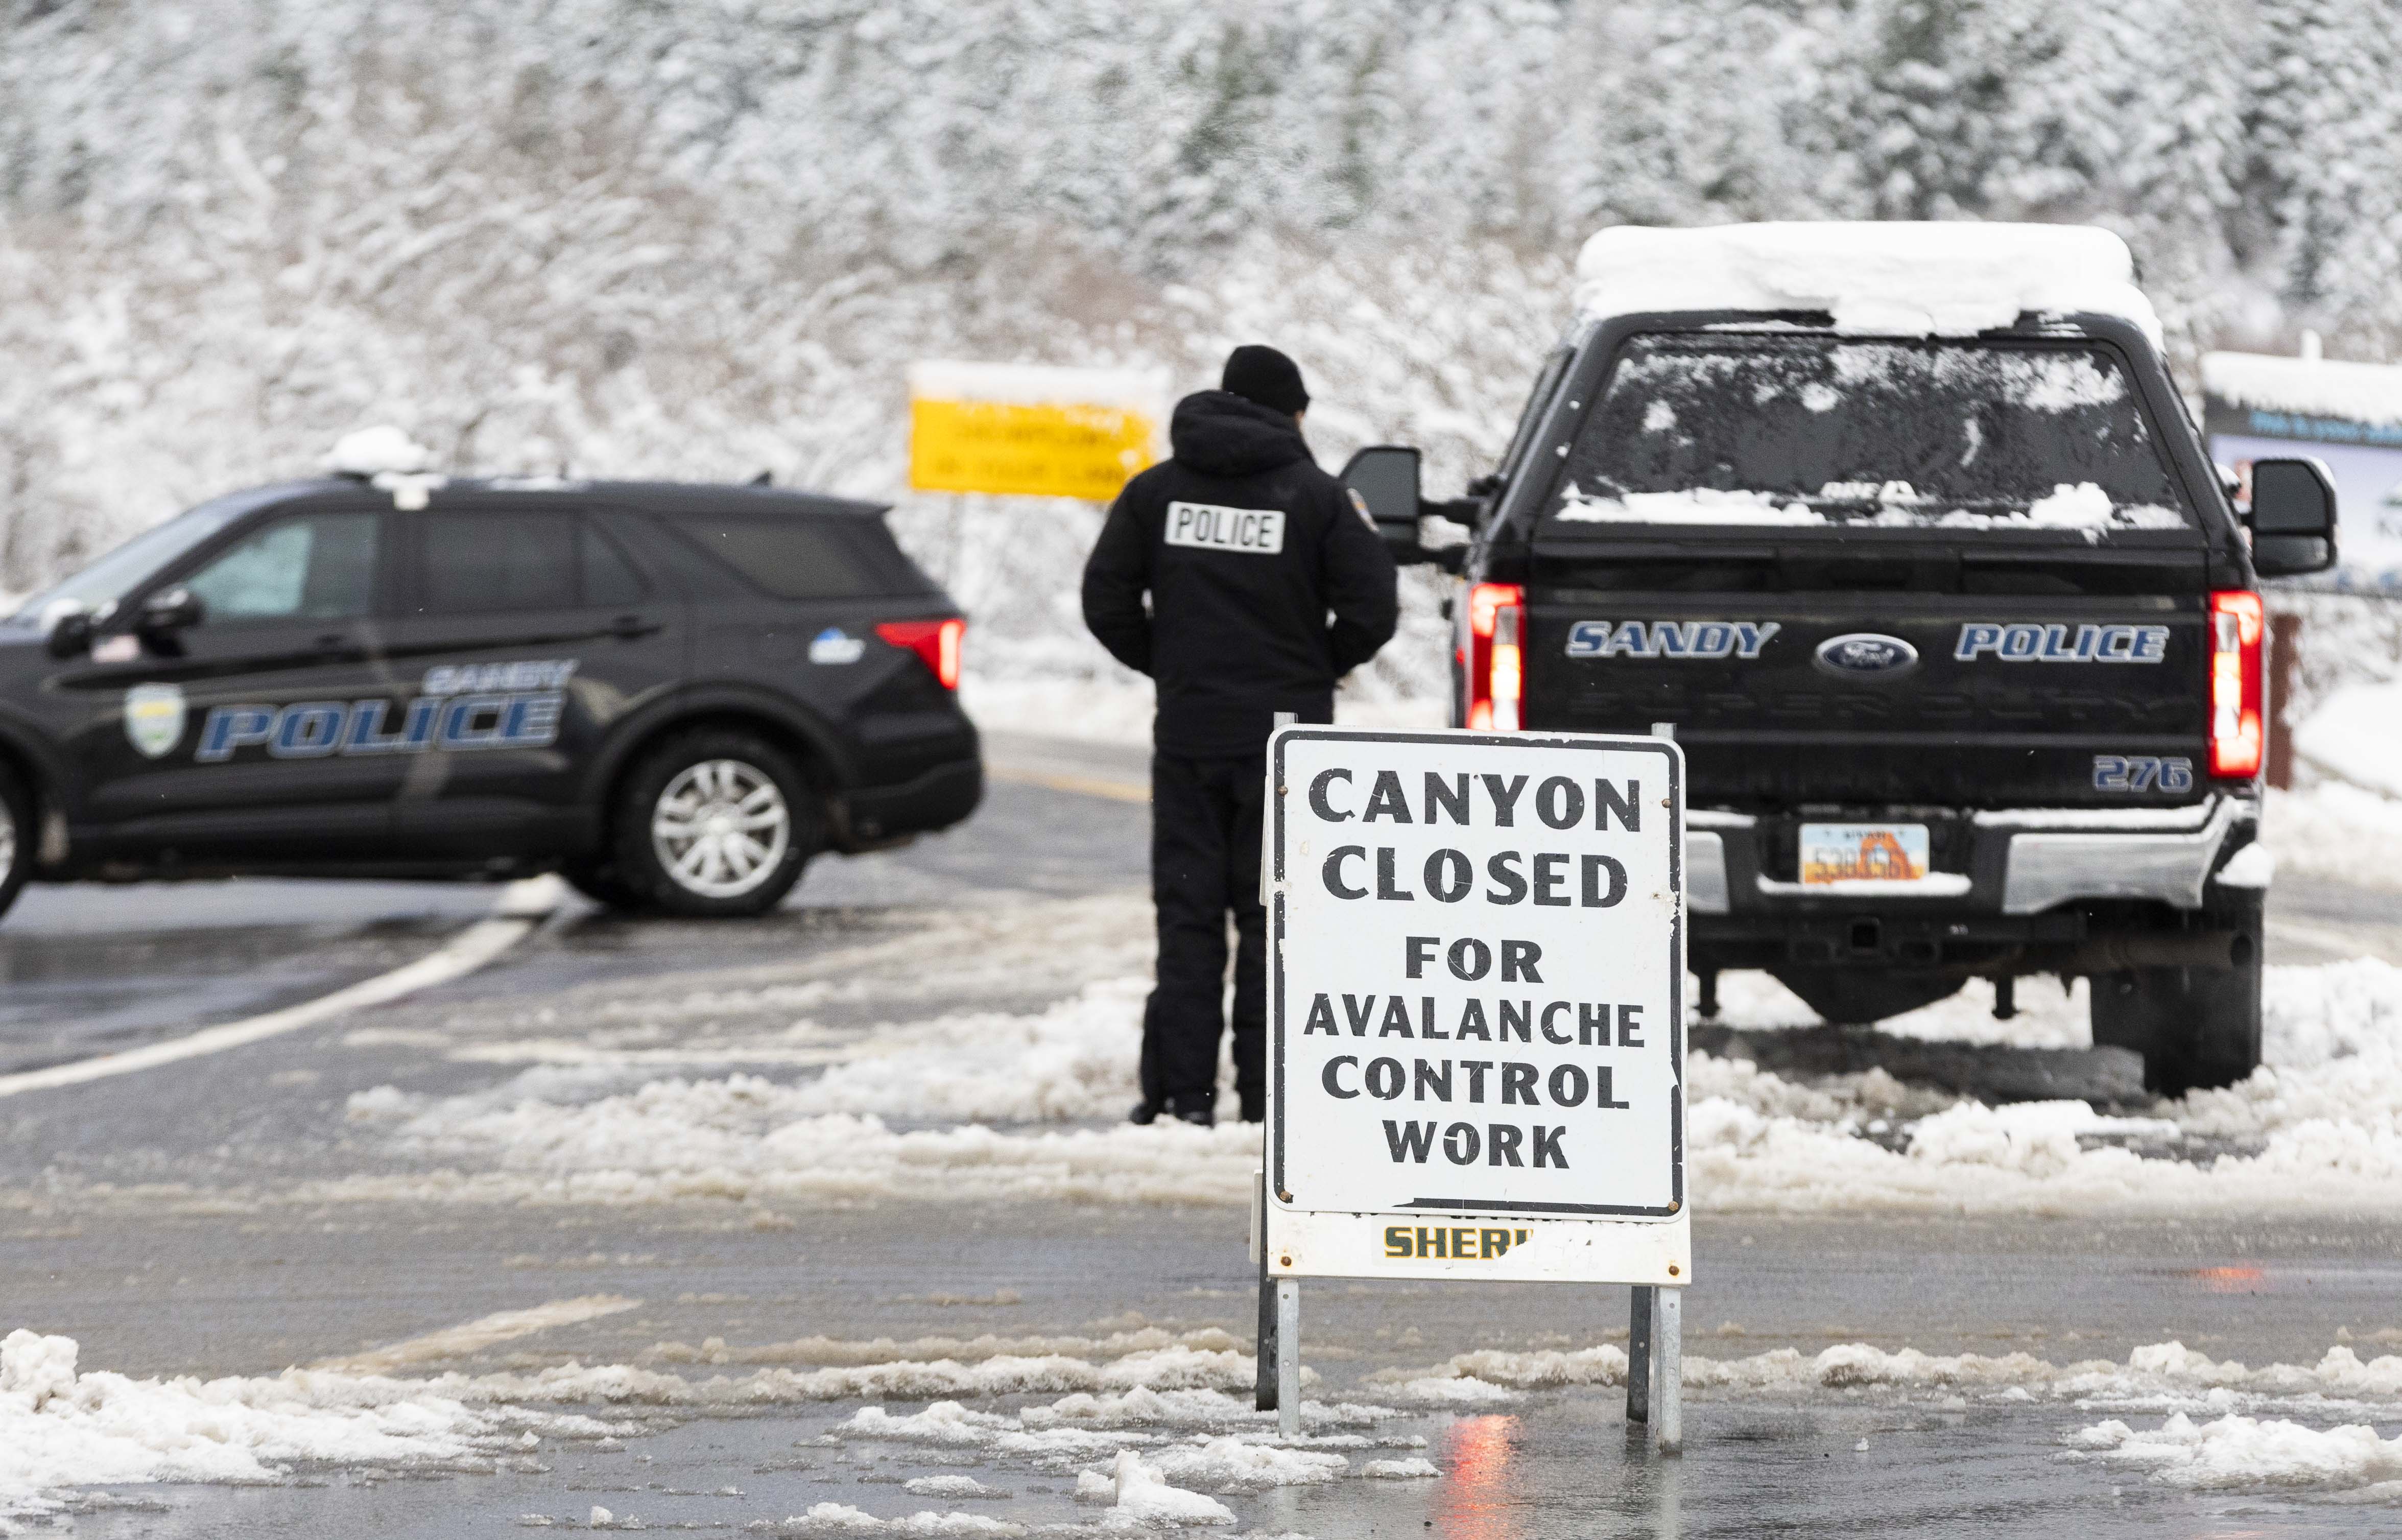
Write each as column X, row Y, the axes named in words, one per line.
column 1493, row 659
column 2236, row 707
column 936, row 643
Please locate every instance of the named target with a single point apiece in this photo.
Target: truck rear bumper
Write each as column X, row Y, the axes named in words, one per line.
column 2017, row 863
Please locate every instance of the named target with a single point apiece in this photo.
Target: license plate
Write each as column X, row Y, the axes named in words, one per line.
column 1834, row 855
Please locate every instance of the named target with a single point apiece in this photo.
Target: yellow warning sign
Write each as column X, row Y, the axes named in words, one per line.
column 1027, row 432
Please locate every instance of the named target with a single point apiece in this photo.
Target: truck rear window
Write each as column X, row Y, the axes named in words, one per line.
column 1783, row 429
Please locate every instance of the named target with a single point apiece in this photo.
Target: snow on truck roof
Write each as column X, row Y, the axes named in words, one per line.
column 1951, row 278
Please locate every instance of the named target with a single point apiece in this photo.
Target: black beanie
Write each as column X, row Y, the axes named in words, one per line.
column 1265, row 376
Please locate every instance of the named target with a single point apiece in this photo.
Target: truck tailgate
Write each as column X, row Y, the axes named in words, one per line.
column 1839, row 695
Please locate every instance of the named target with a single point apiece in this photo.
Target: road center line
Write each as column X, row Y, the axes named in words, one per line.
column 480, row 1334
column 522, row 906
column 1082, row 785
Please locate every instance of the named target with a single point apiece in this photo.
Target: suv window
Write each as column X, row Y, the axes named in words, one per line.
column 474, row 562
column 1732, row 429
column 791, row 557
column 320, row 566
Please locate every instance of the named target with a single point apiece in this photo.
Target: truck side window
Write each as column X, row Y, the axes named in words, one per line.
column 1538, row 403
column 319, row 566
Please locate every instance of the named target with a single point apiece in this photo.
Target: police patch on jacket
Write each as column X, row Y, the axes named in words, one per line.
column 1206, row 526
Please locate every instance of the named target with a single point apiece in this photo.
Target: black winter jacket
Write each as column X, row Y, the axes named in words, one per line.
column 1245, row 547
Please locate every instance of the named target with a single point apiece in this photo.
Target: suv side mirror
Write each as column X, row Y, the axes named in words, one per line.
column 1383, row 479
column 70, row 634
column 2293, row 518
column 171, row 610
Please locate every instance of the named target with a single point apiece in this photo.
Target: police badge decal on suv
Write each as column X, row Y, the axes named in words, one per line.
column 1906, row 535
column 677, row 695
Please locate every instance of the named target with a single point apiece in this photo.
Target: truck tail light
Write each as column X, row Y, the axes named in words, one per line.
column 1493, row 659
column 936, row 643
column 2237, row 710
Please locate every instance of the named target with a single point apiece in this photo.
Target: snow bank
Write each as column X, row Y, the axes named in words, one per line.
column 2319, row 1126
column 949, row 1486
column 2161, row 1376
column 744, row 1137
column 2320, row 387
column 2239, row 1452
column 1398, row 1470
column 1245, row 1465
column 840, row 1518
column 2356, row 734
column 1075, row 1061
column 2337, row 831
column 1114, row 712
column 60, row 1428
column 1950, row 279
column 1146, row 1501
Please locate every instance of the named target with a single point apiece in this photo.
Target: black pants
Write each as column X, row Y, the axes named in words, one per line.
column 1205, row 861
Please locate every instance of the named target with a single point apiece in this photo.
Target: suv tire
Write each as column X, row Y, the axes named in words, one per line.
column 599, row 882
column 1856, row 997
column 2197, row 1028
column 18, row 833
column 712, row 824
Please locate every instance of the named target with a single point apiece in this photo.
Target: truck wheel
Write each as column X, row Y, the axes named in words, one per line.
column 16, row 837
column 2197, row 1028
column 714, row 824
column 1854, row 997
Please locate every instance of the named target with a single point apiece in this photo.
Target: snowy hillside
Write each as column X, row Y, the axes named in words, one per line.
column 630, row 237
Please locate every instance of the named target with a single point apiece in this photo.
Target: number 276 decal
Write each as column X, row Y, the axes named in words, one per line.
column 2141, row 772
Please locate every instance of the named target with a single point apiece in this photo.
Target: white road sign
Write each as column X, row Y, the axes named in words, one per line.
column 1476, row 1037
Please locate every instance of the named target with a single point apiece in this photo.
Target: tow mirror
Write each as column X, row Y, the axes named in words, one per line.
column 71, row 634
column 2293, row 518
column 171, row 610
column 1382, row 480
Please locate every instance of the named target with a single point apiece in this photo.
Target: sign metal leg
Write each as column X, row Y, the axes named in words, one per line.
column 1287, row 1357
column 1264, row 1382
column 1668, row 1389
column 1639, row 1356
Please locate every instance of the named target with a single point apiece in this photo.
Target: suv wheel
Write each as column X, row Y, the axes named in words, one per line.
column 716, row 823
column 598, row 880
column 2197, row 1028
column 16, row 836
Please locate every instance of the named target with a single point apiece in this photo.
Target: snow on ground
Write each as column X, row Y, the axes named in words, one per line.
column 2338, row 832
column 60, row 1428
column 2240, row 1451
column 2320, row 1125
column 2356, row 734
column 1119, row 711
column 1148, row 1431
column 2161, row 1376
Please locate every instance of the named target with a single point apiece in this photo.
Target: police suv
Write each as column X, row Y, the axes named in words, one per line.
column 676, row 695
column 1905, row 534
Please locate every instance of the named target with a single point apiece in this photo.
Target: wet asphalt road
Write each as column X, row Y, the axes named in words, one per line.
column 140, row 1219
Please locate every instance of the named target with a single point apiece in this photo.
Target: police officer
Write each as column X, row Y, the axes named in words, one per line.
column 1245, row 549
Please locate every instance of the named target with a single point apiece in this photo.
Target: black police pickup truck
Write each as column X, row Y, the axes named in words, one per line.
column 674, row 694
column 1906, row 535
